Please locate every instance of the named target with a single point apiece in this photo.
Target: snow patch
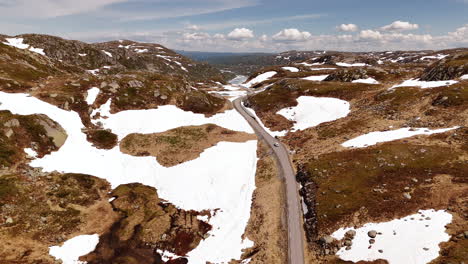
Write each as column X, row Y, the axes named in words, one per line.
column 344, row 64
column 291, row 69
column 82, row 54
column 373, row 138
column 368, row 81
column 260, row 78
column 424, row 84
column 74, row 248
column 18, row 43
column 107, row 53
column 92, row 95
column 464, row 77
column 221, row 179
column 312, row 111
column 317, row 78
column 141, row 50
column 30, row 152
column 413, row 239
column 437, row 57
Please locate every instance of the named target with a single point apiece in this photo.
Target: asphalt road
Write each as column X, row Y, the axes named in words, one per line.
column 294, row 212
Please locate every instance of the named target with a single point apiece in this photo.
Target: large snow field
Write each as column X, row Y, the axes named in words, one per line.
column 424, row 84
column 373, row 138
column 222, row 178
column 259, row 121
column 413, row 239
column 260, row 78
column 74, row 248
column 18, row 43
column 317, row 78
column 312, row 111
column 165, row 118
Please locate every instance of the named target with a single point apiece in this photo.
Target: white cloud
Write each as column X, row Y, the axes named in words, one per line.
column 365, row 40
column 400, row 26
column 291, row 35
column 348, row 28
column 240, row 34
column 196, row 36
column 193, row 27
column 370, row 34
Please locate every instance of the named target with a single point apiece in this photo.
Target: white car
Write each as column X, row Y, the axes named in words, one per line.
column 276, row 144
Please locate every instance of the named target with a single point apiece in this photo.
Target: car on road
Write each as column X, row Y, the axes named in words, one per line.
column 276, row 144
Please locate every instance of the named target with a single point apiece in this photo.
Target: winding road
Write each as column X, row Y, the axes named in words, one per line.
column 294, row 213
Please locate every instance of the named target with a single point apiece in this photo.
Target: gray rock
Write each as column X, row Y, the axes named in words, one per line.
column 12, row 123
column 466, row 234
column 53, row 95
column 164, row 97
column 407, row 196
column 327, row 239
column 9, row 132
column 135, row 84
column 351, row 233
column 371, row 241
column 9, row 220
column 348, row 243
column 372, row 233
column 380, row 251
column 103, row 84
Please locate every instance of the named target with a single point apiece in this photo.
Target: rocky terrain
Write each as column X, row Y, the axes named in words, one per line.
column 41, row 209
column 349, row 187
column 165, row 171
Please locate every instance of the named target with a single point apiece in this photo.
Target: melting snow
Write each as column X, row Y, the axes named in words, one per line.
column 385, row 136
column 82, row 54
column 312, row 111
column 30, row 152
column 107, row 53
column 438, row 57
column 92, row 95
column 344, row 64
column 141, row 50
column 316, row 78
column 320, row 69
column 424, row 84
column 464, row 77
column 260, row 78
column 18, row 43
column 413, row 239
column 74, row 248
column 94, row 72
column 368, row 81
column 291, row 69
column 181, row 66
column 222, row 178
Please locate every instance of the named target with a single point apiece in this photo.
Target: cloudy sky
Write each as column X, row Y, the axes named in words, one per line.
column 248, row 25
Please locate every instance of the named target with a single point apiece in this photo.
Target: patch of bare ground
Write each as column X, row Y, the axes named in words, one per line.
column 267, row 224
column 147, row 224
column 389, row 181
column 39, row 210
column 180, row 144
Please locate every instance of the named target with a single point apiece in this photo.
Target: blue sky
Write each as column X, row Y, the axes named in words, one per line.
column 248, row 25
